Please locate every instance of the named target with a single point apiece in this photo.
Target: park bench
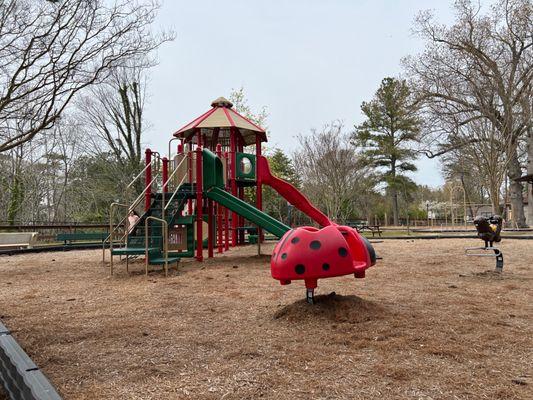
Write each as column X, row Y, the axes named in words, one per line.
column 17, row 240
column 370, row 228
column 363, row 226
column 69, row 238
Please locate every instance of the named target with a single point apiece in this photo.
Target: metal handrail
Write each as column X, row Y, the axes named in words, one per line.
column 170, row 151
column 123, row 220
column 174, row 171
column 109, row 239
column 118, row 225
column 157, row 157
column 111, row 232
column 140, row 173
column 135, row 202
column 165, row 242
column 140, row 196
column 175, row 191
column 177, row 186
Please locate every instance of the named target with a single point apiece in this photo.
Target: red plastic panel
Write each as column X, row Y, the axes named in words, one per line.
column 290, row 193
column 309, row 254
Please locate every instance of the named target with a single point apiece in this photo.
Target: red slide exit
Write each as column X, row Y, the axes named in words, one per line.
column 290, row 193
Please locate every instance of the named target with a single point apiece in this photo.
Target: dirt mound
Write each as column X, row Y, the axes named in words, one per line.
column 489, row 274
column 332, row 308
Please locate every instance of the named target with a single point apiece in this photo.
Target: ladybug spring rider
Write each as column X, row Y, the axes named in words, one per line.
column 308, row 253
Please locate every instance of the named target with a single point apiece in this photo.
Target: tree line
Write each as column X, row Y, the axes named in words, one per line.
column 466, row 99
column 73, row 87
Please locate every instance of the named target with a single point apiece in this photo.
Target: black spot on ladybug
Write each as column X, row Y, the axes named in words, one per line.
column 284, row 256
column 315, row 245
column 300, row 269
column 295, row 240
column 343, row 252
column 325, row 266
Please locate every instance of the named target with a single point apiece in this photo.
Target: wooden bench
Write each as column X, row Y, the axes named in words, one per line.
column 68, row 238
column 17, row 240
column 371, row 228
column 355, row 223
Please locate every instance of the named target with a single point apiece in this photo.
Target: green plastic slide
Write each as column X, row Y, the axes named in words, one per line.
column 248, row 211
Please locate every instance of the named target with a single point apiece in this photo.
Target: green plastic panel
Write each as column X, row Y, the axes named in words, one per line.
column 245, row 166
column 248, row 211
column 213, row 172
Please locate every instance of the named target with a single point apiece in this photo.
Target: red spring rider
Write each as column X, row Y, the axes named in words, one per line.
column 309, row 254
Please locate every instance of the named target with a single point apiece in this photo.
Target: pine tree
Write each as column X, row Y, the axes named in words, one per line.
column 387, row 137
column 282, row 167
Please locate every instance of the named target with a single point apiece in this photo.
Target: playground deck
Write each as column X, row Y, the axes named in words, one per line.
column 427, row 322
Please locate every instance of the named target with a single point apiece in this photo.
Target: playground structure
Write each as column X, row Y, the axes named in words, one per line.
column 488, row 230
column 195, row 198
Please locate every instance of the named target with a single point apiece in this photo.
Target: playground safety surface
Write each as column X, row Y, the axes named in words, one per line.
column 426, row 323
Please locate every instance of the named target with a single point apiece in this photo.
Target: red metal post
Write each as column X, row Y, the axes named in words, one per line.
column 233, row 182
column 165, row 175
column 179, row 151
column 189, row 172
column 219, row 208
column 199, row 205
column 198, row 137
column 218, row 213
column 226, row 211
column 148, row 179
column 210, row 228
column 259, row 189
column 226, row 229
column 240, row 190
column 259, row 184
column 240, row 236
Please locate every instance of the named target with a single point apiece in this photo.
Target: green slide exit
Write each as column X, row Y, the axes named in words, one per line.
column 248, row 211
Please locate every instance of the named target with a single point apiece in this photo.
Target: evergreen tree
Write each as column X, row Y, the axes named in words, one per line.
column 387, row 137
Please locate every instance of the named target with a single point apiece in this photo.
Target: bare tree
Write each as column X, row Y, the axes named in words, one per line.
column 331, row 173
column 37, row 176
column 479, row 68
column 49, row 51
column 530, row 172
column 114, row 111
column 486, row 157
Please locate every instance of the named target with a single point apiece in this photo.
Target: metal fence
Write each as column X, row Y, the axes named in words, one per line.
column 19, row 375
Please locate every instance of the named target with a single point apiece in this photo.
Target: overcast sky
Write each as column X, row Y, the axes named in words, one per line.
column 308, row 61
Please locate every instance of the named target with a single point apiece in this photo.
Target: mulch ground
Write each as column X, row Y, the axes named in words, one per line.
column 426, row 323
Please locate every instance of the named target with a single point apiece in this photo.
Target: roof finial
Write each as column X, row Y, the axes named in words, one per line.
column 222, row 102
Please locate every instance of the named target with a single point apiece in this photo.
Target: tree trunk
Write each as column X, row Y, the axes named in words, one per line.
column 494, row 194
column 529, row 215
column 15, row 201
column 467, row 197
column 515, row 191
column 395, row 210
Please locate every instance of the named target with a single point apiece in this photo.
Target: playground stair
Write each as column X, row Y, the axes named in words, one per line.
column 130, row 251
column 136, row 240
column 161, row 259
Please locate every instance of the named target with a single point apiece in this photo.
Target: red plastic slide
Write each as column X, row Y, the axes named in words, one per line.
column 290, row 193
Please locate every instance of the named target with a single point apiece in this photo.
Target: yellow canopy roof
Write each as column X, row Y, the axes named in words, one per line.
column 222, row 117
